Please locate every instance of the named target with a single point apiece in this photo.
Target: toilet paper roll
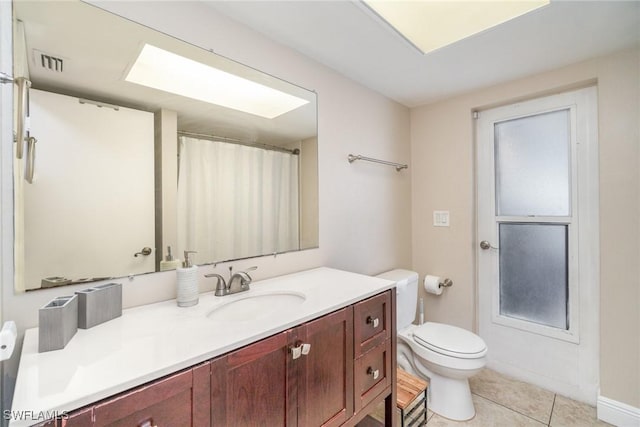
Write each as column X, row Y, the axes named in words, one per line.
column 432, row 284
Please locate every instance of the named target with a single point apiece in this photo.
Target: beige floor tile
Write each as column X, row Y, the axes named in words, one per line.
column 378, row 413
column 569, row 413
column 488, row 414
column 525, row 398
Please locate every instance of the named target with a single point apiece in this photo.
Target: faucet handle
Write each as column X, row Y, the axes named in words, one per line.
column 221, row 286
column 246, row 272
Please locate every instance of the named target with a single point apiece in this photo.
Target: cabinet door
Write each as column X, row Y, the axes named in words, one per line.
column 325, row 373
column 249, row 387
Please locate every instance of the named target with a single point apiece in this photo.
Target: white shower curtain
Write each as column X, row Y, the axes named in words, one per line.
column 236, row 201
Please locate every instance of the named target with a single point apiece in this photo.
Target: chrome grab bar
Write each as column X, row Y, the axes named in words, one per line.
column 399, row 166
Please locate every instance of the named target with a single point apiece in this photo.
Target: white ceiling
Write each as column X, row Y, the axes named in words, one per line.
column 348, row 37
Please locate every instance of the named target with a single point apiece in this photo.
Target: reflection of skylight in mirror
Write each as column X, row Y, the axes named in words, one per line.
column 169, row 72
column 431, row 24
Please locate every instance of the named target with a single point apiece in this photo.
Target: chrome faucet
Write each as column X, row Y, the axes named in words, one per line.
column 238, row 282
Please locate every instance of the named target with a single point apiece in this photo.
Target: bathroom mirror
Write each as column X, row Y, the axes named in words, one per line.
column 127, row 163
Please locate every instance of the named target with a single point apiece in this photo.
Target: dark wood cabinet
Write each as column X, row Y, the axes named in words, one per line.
column 250, row 387
column 301, row 377
column 172, row 401
column 374, row 333
column 325, row 374
column 372, row 322
column 372, row 374
column 166, row 402
column 330, row 371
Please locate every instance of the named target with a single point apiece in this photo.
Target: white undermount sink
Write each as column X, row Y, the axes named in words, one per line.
column 255, row 306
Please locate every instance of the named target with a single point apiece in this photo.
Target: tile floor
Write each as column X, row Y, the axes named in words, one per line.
column 501, row 401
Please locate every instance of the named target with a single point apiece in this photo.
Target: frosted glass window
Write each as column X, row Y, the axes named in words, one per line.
column 532, row 156
column 533, row 273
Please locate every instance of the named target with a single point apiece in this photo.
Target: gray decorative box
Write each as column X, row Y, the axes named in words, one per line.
column 58, row 323
column 99, row 304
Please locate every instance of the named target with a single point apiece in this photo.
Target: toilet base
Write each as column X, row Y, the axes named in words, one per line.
column 450, row 398
column 447, row 397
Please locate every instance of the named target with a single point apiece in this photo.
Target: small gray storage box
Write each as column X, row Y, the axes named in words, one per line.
column 99, row 304
column 58, row 323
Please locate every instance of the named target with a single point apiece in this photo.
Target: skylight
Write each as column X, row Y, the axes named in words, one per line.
column 170, row 72
column 431, row 24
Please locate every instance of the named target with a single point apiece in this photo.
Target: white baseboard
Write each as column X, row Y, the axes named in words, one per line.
column 618, row 413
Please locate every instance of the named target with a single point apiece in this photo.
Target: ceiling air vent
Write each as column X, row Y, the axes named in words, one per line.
column 48, row 62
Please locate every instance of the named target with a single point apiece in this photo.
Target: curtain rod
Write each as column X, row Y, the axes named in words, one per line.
column 294, row 151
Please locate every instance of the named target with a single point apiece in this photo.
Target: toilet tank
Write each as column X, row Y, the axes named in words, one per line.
column 406, row 295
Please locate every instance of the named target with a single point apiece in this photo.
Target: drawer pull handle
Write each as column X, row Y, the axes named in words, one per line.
column 374, row 321
column 147, row 423
column 295, row 352
column 299, row 350
column 374, row 373
column 305, row 349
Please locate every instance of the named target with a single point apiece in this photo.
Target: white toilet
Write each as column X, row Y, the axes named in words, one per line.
column 445, row 354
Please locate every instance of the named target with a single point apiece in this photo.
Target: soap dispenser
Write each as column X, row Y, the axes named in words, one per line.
column 187, row 282
column 169, row 263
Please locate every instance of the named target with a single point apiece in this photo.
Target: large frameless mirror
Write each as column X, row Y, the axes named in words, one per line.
column 133, row 141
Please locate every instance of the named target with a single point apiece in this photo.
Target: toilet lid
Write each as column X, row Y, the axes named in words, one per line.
column 450, row 340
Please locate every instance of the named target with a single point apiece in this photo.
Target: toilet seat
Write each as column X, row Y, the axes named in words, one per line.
column 450, row 340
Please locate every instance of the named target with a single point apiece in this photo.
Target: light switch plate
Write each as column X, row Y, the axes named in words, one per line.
column 440, row 218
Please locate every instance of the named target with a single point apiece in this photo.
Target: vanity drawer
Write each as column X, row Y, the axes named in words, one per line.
column 163, row 403
column 181, row 399
column 372, row 374
column 372, row 322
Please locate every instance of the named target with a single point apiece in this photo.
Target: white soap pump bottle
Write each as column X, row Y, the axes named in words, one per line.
column 187, row 275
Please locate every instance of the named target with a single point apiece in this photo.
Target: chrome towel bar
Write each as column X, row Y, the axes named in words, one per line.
column 399, row 166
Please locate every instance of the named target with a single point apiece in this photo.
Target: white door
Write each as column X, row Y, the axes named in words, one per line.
column 90, row 226
column 537, row 175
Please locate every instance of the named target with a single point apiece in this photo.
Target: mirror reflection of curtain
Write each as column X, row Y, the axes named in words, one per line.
column 236, row 201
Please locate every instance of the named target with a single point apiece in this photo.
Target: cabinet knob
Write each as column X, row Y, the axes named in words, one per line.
column 375, row 373
column 374, row 321
column 147, row 423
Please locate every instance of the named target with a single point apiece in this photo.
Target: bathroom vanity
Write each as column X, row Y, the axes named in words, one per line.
column 306, row 349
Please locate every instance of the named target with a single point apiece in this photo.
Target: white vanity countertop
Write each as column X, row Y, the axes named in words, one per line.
column 154, row 340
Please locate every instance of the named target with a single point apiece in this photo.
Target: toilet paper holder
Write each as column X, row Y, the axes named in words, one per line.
column 446, row 283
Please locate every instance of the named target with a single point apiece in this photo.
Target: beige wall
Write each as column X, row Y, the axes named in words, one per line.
column 365, row 210
column 442, row 144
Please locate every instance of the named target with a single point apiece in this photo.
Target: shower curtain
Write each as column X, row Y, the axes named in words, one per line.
column 236, row 201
